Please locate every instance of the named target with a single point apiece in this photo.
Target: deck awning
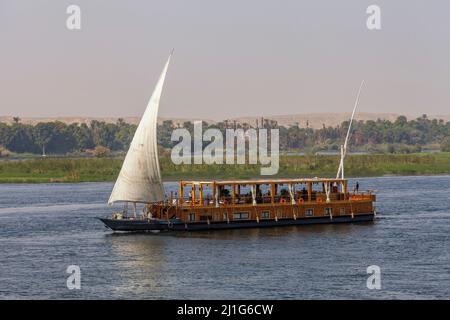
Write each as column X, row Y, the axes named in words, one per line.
column 263, row 181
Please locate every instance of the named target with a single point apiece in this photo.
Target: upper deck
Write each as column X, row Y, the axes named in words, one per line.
column 217, row 193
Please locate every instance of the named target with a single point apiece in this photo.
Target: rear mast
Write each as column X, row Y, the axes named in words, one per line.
column 344, row 146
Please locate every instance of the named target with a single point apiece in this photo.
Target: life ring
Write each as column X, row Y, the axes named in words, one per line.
column 319, row 200
column 282, row 200
column 301, row 201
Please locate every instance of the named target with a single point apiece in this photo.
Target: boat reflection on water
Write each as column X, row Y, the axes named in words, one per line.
column 140, row 264
column 171, row 263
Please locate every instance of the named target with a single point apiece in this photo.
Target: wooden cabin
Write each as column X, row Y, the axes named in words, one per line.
column 228, row 201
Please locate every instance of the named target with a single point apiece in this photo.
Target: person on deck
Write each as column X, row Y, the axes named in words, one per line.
column 357, row 186
column 304, row 193
column 335, row 188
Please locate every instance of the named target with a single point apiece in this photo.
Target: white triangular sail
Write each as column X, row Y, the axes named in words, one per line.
column 140, row 178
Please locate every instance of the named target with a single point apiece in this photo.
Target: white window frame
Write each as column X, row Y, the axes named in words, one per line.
column 240, row 213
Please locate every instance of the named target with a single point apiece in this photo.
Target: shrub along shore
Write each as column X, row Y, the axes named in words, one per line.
column 106, row 169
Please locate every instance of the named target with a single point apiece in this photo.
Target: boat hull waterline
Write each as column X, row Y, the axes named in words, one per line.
column 164, row 225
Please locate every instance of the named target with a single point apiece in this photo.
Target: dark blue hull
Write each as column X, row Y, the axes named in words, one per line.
column 135, row 225
column 155, row 225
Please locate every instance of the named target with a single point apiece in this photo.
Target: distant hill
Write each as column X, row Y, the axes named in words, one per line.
column 315, row 120
column 87, row 120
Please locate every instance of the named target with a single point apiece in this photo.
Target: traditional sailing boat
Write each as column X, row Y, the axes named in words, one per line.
column 226, row 204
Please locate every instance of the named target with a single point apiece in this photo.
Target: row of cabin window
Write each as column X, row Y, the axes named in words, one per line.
column 263, row 214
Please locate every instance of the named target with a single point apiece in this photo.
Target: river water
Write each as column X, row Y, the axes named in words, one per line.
column 44, row 228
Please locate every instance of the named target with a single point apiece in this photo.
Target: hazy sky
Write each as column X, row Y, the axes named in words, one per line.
column 232, row 58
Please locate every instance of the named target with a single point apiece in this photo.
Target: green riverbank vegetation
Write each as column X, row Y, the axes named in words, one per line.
column 43, row 170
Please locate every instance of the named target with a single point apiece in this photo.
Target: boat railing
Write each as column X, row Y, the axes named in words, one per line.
column 260, row 200
column 361, row 195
